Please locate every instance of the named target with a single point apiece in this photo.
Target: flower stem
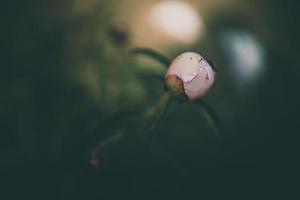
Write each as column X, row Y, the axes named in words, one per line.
column 155, row 115
column 152, row 118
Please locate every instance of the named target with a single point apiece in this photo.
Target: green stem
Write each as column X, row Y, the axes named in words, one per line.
column 152, row 54
column 154, row 116
column 150, row 119
column 109, row 141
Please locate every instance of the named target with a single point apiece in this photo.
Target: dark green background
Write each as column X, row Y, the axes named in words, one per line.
column 47, row 113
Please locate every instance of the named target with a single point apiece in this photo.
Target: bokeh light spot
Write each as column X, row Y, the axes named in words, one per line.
column 178, row 20
column 245, row 54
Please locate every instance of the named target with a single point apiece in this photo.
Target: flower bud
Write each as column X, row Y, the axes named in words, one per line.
column 191, row 75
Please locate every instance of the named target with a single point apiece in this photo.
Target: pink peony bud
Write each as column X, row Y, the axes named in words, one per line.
column 191, row 75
